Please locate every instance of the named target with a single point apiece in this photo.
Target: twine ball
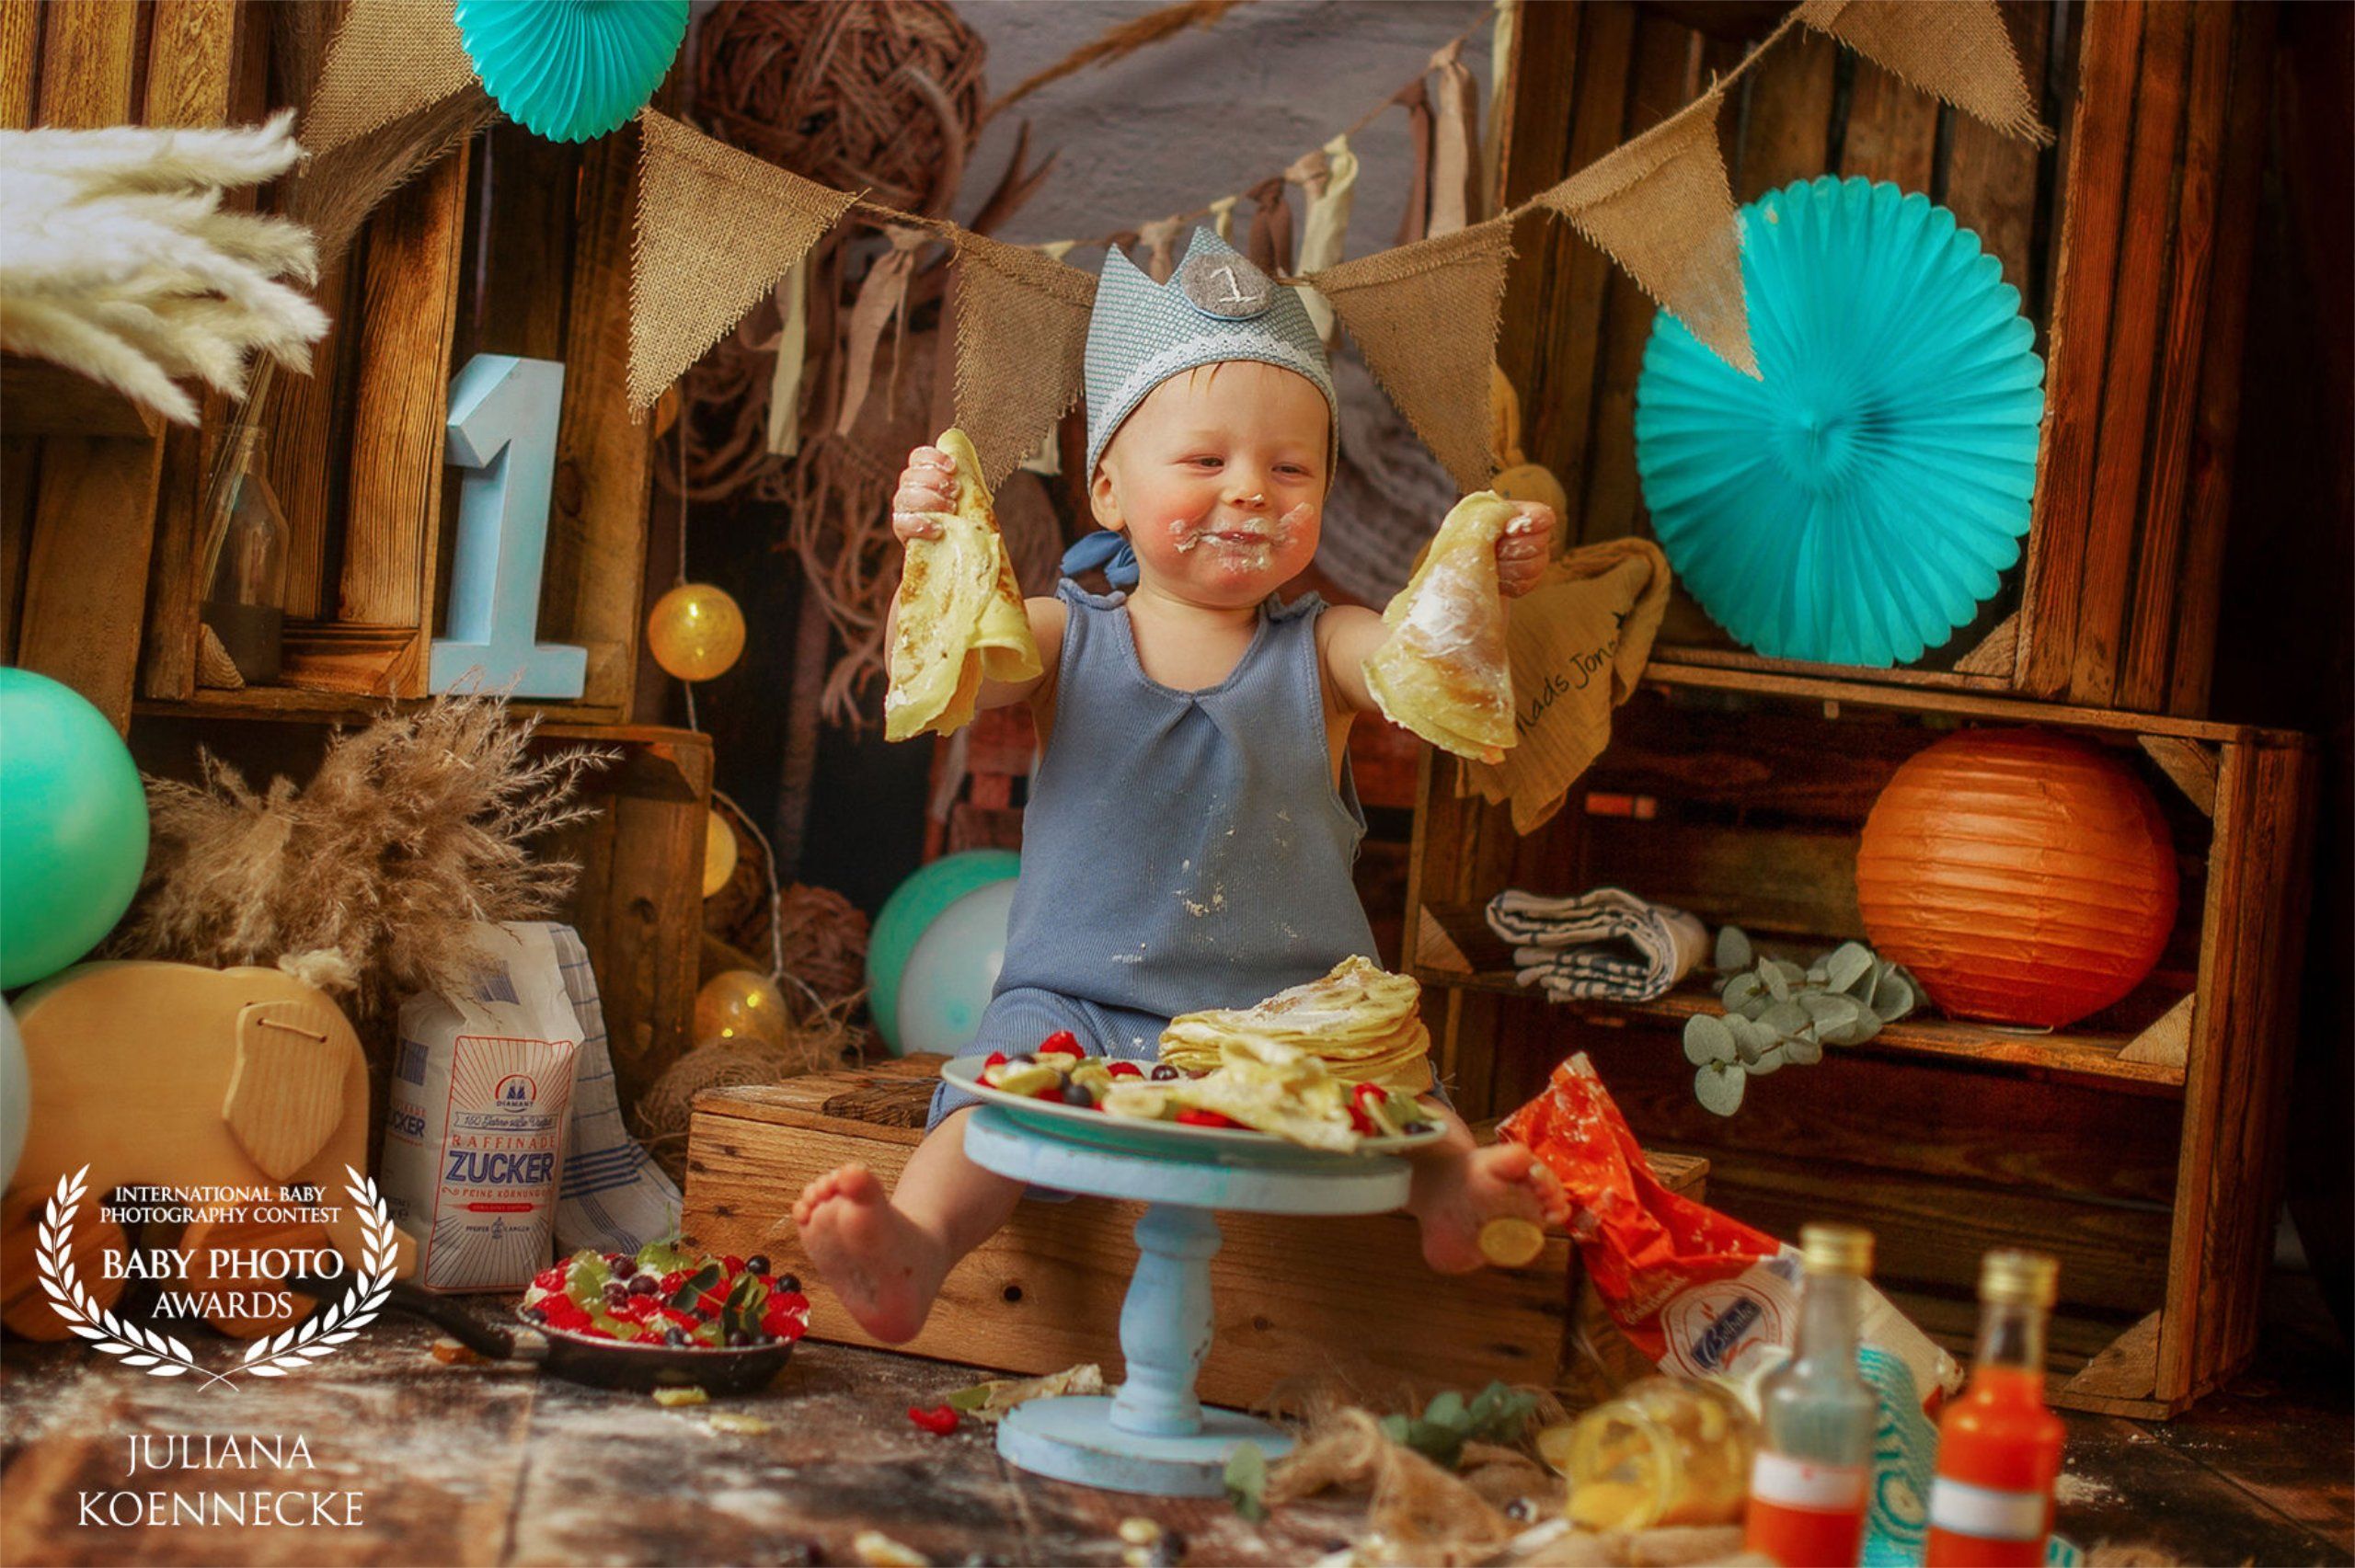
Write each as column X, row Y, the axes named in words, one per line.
column 2024, row 876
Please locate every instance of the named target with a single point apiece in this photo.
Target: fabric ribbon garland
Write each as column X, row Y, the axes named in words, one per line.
column 1330, row 178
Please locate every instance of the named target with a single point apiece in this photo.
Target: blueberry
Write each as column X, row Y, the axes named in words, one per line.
column 676, row 1336
column 535, row 1315
column 644, row 1285
column 789, row 1283
column 624, row 1267
column 1520, row 1510
column 1162, row 1072
column 736, row 1340
column 757, row 1263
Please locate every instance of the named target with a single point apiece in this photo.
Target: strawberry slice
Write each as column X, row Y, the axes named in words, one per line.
column 1062, row 1042
column 1124, row 1070
column 1206, row 1118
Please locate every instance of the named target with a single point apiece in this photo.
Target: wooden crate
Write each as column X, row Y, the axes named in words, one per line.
column 2140, row 1146
column 2130, row 241
column 1294, row 1298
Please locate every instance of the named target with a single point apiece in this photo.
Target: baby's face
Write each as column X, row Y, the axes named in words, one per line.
column 1219, row 481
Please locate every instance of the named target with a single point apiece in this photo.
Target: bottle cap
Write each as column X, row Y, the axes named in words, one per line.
column 2019, row 1279
column 1836, row 1249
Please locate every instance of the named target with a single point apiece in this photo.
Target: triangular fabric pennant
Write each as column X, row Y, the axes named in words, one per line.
column 388, row 58
column 1424, row 316
column 1660, row 206
column 716, row 228
column 1021, row 347
column 1956, row 49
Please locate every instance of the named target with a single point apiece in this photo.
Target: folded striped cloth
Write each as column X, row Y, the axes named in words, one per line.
column 1606, row 946
column 613, row 1197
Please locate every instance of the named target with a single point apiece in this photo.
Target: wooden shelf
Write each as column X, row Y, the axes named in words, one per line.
column 38, row 398
column 2083, row 1058
column 291, row 705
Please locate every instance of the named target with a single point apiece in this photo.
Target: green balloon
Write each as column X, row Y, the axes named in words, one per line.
column 72, row 827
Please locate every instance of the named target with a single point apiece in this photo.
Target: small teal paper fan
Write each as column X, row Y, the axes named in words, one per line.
column 1856, row 503
column 569, row 70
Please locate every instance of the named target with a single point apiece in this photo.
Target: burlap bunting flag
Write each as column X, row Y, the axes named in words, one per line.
column 1021, row 347
column 716, row 228
column 388, row 58
column 1425, row 319
column 1661, row 208
column 1957, row 50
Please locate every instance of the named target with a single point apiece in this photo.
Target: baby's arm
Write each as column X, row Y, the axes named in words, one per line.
column 1348, row 633
column 927, row 485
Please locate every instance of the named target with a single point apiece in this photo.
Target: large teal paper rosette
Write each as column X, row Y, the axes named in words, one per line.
column 1856, row 503
column 569, row 70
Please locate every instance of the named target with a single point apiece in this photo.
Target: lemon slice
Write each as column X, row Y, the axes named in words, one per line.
column 1510, row 1242
column 1554, row 1446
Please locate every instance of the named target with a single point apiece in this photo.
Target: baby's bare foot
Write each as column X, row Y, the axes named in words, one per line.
column 1454, row 1196
column 883, row 1269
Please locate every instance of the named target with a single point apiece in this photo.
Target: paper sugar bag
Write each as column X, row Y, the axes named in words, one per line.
column 473, row 1132
column 1578, row 643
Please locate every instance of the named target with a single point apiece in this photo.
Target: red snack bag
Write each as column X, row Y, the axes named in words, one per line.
column 1698, row 1293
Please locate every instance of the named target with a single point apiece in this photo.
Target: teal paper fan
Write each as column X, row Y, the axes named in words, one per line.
column 569, row 70
column 1855, row 503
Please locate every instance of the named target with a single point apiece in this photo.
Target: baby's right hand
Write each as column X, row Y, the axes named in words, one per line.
column 927, row 484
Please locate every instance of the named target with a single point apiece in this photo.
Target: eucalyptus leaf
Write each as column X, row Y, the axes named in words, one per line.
column 1848, row 962
column 1802, row 1051
column 1817, row 975
column 1733, row 948
column 1718, row 1087
column 1867, row 1026
column 1446, row 1409
column 1738, row 990
column 1893, row 998
column 1784, row 1017
column 1756, row 1006
column 1706, row 1040
column 1831, row 1011
column 1792, row 974
column 1768, row 1061
column 1778, row 985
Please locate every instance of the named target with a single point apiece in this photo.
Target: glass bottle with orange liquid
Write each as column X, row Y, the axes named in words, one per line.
column 1999, row 1447
column 1811, row 1480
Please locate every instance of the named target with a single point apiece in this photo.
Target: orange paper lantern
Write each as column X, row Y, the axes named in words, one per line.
column 2024, row 876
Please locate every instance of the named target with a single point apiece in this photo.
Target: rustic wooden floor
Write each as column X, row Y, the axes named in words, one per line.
column 478, row 1464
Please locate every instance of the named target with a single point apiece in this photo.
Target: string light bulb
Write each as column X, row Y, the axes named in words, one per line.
column 695, row 631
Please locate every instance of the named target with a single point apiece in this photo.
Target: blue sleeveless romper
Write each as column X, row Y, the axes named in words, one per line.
column 1181, row 850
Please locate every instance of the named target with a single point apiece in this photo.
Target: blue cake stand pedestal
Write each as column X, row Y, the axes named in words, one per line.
column 1151, row 1435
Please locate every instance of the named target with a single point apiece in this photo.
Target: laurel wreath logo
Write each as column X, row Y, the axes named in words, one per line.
column 159, row 1354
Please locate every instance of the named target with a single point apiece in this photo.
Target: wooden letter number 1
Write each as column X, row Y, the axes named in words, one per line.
column 501, row 430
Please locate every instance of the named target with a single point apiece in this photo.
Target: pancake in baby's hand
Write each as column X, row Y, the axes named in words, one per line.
column 1443, row 672
column 961, row 615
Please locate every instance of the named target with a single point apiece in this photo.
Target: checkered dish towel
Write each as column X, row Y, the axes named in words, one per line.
column 1607, row 944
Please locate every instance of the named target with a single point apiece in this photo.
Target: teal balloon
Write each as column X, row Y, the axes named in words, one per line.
column 952, row 973
column 569, row 70
column 16, row 1097
column 72, row 827
column 1858, row 500
column 910, row 911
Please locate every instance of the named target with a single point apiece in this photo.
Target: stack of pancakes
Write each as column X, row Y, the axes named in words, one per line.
column 1361, row 1021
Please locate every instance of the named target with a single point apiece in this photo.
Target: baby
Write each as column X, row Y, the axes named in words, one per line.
column 1191, row 831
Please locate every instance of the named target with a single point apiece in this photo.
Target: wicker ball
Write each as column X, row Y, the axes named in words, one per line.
column 2024, row 876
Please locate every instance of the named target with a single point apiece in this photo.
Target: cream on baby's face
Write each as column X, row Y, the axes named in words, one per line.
column 1219, row 481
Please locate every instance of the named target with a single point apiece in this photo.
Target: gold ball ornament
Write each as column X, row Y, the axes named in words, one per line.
column 697, row 630
column 739, row 1004
column 719, row 852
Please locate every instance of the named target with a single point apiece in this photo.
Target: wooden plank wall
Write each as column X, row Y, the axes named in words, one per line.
column 2122, row 241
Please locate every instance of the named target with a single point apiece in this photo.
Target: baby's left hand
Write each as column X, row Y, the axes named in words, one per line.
column 1525, row 548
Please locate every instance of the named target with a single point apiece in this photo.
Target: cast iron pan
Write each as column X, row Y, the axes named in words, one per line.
column 579, row 1358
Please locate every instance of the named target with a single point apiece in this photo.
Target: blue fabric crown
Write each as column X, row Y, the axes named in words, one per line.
column 1216, row 306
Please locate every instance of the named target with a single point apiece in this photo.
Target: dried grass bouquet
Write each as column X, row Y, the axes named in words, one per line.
column 412, row 827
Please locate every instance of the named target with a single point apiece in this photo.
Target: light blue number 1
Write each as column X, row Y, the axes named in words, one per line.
column 501, row 429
